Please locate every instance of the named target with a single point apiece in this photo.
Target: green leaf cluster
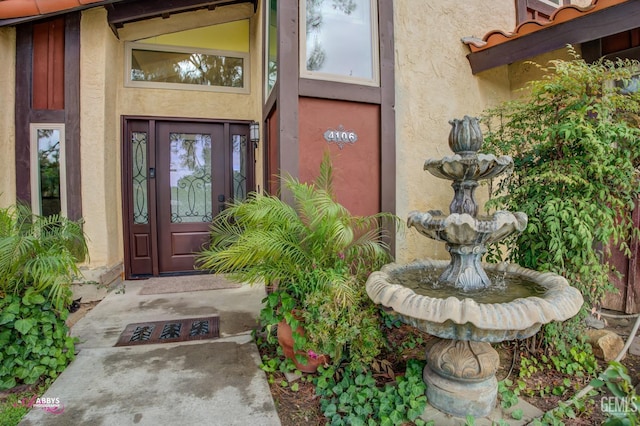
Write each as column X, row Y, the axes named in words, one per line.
column 39, row 254
column 354, row 398
column 575, row 141
column 624, row 407
column 34, row 340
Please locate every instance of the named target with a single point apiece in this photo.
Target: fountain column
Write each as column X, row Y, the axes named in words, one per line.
column 460, row 377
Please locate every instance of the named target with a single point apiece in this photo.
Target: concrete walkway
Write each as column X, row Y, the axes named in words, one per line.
column 206, row 382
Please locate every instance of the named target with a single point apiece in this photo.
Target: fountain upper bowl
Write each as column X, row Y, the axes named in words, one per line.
column 472, row 167
column 466, row 319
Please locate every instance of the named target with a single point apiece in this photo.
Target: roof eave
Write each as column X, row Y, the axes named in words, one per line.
column 592, row 26
column 24, row 19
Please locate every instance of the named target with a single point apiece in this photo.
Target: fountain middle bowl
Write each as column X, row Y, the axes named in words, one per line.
column 463, row 318
column 464, row 229
column 473, row 167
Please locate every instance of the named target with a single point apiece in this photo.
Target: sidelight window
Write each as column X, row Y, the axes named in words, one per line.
column 48, row 178
column 271, row 48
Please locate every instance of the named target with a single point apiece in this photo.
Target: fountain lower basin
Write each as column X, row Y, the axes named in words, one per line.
column 463, row 318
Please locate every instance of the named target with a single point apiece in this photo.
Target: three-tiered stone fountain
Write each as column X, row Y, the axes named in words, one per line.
column 468, row 304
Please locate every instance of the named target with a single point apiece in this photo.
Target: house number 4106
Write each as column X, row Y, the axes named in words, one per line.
column 340, row 136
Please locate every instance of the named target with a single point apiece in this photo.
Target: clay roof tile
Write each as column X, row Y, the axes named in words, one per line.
column 562, row 14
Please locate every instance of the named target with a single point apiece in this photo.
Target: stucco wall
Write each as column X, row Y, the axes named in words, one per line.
column 7, row 116
column 99, row 135
column 433, row 85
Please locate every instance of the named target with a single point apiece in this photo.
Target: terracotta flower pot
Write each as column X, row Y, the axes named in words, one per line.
column 285, row 338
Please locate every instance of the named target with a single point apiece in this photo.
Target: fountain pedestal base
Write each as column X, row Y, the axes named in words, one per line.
column 460, row 377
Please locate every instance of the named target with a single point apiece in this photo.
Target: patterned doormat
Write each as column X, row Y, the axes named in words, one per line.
column 170, row 331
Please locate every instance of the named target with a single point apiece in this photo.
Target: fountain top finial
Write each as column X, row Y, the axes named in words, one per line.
column 465, row 137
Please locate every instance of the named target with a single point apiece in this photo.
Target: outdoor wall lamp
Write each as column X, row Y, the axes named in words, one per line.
column 254, row 133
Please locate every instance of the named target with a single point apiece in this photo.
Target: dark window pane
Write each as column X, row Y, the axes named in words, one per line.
column 187, row 68
column 49, row 166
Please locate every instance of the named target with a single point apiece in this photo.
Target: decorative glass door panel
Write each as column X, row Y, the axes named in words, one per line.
column 190, row 178
column 140, row 178
column 239, row 160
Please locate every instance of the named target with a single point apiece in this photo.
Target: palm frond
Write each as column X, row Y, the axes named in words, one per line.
column 39, row 253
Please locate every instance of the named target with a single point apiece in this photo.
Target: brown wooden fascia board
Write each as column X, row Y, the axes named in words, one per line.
column 611, row 20
column 121, row 13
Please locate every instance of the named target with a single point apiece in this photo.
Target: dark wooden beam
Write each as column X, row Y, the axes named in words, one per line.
column 336, row 90
column 287, row 97
column 387, row 118
column 611, row 20
column 72, row 115
column 130, row 11
column 24, row 55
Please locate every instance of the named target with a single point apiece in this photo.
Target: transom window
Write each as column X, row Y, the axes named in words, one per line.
column 212, row 58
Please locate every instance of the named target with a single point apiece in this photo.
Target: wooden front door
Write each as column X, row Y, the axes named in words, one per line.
column 177, row 175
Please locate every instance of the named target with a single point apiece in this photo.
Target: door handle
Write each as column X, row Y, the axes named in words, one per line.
column 221, row 206
column 152, row 172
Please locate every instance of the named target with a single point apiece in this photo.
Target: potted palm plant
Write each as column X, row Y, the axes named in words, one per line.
column 317, row 254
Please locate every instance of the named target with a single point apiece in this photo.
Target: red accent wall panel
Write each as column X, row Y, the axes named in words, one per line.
column 356, row 166
column 48, row 65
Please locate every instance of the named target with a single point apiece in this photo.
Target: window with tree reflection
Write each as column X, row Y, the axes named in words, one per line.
column 47, row 169
column 196, row 68
column 340, row 40
column 271, row 72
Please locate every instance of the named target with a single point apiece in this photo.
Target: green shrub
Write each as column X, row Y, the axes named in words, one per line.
column 39, row 253
column 34, row 340
column 575, row 142
column 38, row 258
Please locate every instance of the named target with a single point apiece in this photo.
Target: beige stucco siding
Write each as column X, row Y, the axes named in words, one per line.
column 7, row 116
column 99, row 135
column 433, row 85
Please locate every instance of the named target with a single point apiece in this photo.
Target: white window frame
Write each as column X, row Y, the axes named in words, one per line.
column 36, row 194
column 316, row 75
column 551, row 3
column 129, row 46
column 267, row 42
